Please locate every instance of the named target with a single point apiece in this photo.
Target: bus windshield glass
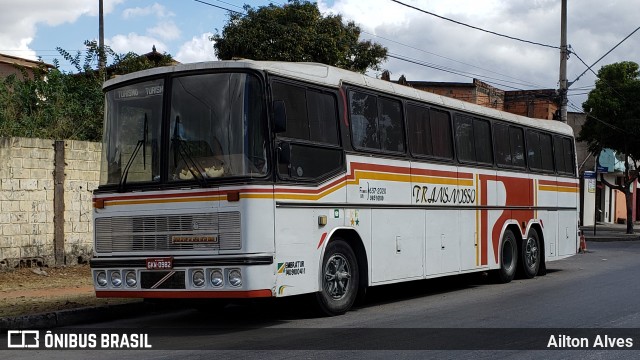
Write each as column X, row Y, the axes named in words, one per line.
column 217, row 129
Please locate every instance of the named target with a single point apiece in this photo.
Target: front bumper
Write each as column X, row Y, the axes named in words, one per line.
column 188, row 277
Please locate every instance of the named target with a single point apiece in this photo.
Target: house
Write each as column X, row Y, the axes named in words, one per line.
column 10, row 65
column 539, row 104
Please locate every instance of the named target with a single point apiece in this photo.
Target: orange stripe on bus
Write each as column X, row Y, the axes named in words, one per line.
column 359, row 171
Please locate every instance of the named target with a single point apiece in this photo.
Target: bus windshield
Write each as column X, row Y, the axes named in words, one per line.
column 217, row 129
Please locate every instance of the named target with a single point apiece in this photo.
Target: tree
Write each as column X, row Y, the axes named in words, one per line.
column 53, row 104
column 613, row 122
column 296, row 31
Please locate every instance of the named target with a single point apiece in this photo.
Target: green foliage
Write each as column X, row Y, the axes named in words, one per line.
column 52, row 104
column 614, row 110
column 613, row 122
column 296, row 31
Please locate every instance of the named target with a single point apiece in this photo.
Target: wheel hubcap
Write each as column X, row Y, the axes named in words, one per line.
column 531, row 252
column 337, row 275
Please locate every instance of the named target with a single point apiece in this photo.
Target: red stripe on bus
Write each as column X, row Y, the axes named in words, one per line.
column 322, row 238
column 185, row 294
column 161, row 196
column 378, row 167
column 440, row 173
column 557, row 183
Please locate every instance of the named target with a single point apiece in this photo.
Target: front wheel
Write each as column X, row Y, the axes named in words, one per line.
column 530, row 262
column 508, row 258
column 339, row 279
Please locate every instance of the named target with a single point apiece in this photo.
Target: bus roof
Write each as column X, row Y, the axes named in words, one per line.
column 335, row 77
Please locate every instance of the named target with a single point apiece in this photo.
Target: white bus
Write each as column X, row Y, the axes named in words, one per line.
column 246, row 179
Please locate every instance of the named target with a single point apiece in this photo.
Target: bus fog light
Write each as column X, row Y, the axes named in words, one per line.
column 197, row 278
column 235, row 277
column 101, row 278
column 116, row 279
column 216, row 278
column 130, row 279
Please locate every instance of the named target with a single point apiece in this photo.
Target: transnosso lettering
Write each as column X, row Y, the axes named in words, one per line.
column 443, row 195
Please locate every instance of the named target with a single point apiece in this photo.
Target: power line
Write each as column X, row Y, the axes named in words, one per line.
column 451, row 71
column 597, row 119
column 603, row 80
column 454, row 71
column 523, row 82
column 603, row 56
column 475, row 27
column 227, row 3
column 220, row 7
column 434, row 66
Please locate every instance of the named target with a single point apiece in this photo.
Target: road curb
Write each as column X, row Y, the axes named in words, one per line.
column 74, row 316
column 610, row 239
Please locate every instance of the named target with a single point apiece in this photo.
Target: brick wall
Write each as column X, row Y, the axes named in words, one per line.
column 27, row 200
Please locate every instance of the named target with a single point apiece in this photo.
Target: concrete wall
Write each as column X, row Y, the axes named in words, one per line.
column 27, row 200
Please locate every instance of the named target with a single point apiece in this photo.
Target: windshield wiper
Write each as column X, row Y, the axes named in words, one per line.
column 141, row 144
column 185, row 154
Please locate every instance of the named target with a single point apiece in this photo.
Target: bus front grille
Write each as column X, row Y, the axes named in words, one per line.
column 155, row 233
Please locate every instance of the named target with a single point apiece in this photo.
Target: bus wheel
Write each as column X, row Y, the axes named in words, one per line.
column 508, row 258
column 530, row 262
column 339, row 279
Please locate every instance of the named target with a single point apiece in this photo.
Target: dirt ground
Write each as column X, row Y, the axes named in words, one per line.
column 37, row 290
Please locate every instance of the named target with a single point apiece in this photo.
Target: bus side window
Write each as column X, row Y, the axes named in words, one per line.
column 364, row 120
column 473, row 140
column 310, row 146
column 429, row 132
column 546, row 152
column 563, row 154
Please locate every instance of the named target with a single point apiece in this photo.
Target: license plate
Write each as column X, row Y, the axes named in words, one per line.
column 160, row 263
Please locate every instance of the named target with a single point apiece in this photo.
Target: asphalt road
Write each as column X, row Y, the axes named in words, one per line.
column 590, row 294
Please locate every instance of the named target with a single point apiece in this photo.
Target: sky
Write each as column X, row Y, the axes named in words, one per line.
column 432, row 49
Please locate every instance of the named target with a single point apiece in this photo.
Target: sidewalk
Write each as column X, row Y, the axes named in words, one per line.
column 610, row 232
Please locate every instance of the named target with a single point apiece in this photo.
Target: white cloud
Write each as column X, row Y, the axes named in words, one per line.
column 139, row 44
column 19, row 20
column 165, row 30
column 504, row 62
column 200, row 48
column 155, row 9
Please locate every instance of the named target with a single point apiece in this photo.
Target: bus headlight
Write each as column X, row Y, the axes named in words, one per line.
column 101, row 278
column 130, row 279
column 216, row 278
column 197, row 278
column 235, row 277
column 116, row 279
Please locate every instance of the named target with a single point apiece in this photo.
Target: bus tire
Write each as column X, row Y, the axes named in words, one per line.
column 508, row 258
column 530, row 255
column 339, row 279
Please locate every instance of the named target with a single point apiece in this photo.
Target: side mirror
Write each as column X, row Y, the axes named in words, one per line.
column 279, row 116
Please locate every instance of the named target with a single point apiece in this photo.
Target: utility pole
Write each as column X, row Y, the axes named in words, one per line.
column 564, row 54
column 101, row 60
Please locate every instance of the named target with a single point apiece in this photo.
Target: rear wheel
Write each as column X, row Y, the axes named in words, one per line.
column 340, row 279
column 508, row 258
column 530, row 262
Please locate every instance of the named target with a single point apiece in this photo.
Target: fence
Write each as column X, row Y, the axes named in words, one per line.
column 46, row 200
